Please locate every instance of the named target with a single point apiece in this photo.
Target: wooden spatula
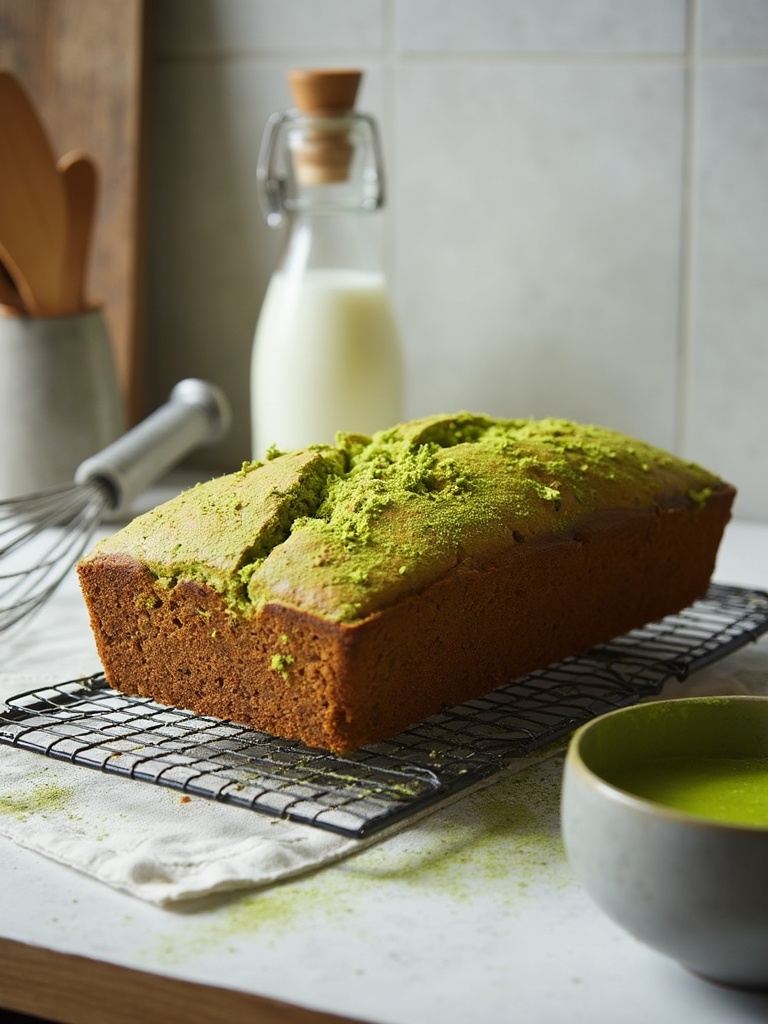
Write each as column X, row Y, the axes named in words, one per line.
column 32, row 203
column 78, row 173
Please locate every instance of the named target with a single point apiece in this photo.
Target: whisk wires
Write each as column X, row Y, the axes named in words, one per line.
column 41, row 537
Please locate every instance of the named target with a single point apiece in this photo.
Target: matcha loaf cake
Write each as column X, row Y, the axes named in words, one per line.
column 337, row 594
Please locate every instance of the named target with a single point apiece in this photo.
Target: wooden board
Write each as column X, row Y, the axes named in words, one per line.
column 84, row 63
column 78, row 990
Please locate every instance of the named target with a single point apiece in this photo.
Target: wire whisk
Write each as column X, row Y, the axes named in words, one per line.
column 43, row 535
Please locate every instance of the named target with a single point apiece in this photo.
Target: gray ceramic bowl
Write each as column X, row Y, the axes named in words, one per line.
column 683, row 881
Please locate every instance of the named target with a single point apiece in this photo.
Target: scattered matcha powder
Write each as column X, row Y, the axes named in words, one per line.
column 281, row 663
column 700, row 497
column 44, row 798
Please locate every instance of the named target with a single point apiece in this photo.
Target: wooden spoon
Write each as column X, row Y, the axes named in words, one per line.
column 32, row 203
column 78, row 172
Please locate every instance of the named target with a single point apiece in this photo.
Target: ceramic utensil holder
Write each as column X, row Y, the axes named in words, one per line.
column 59, row 398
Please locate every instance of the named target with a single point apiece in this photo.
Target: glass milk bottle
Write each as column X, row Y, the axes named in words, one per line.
column 326, row 354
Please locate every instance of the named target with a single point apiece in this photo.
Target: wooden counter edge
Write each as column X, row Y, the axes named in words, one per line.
column 74, row 989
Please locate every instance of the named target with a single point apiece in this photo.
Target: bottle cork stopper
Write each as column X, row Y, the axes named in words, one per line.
column 324, row 92
column 325, row 154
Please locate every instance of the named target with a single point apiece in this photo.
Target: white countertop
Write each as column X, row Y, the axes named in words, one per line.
column 476, row 918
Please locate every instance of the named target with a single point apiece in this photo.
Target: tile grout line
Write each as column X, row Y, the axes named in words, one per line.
column 391, row 164
column 389, row 51
column 687, row 231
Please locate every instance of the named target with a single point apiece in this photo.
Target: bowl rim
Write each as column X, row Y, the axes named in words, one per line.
column 652, row 808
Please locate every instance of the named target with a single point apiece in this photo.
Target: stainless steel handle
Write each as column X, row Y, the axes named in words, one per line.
column 197, row 413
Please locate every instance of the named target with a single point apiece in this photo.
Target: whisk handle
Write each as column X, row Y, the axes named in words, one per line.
column 196, row 413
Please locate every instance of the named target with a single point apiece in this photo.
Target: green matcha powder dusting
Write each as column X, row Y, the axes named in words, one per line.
column 343, row 530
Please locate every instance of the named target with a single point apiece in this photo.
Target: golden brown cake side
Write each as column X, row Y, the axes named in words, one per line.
column 503, row 601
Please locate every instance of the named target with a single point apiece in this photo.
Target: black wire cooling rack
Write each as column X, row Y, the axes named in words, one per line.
column 87, row 723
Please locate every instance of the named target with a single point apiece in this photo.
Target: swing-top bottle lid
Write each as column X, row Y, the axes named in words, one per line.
column 325, row 152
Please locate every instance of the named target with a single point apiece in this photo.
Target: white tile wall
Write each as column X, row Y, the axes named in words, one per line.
column 546, row 26
column 538, row 239
column 266, row 27
column 578, row 215
column 734, row 26
column 727, row 413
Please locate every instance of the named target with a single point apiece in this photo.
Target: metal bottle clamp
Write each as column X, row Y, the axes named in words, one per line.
column 274, row 194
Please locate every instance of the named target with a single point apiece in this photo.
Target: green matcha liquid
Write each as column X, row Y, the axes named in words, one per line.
column 729, row 790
